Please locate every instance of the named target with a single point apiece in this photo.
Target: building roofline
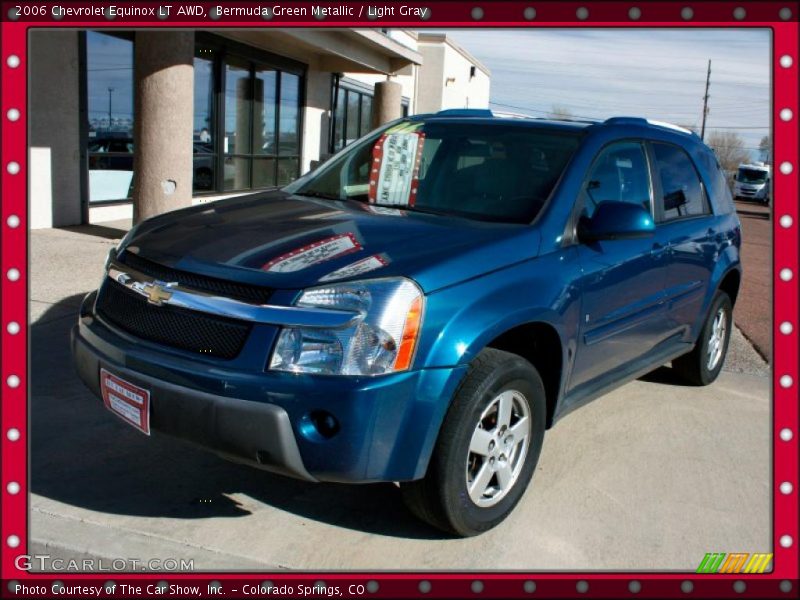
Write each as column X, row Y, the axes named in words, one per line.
column 390, row 46
column 424, row 37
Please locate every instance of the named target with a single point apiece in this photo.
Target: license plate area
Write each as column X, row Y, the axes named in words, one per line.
column 129, row 402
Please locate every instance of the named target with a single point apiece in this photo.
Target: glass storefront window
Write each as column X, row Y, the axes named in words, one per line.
column 246, row 120
column 366, row 114
column 237, row 108
column 258, row 124
column 237, row 173
column 338, row 120
column 287, row 170
column 109, row 83
column 264, row 172
column 352, row 116
column 289, row 143
column 264, row 93
column 203, row 179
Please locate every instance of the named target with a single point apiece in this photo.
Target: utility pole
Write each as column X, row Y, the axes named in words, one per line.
column 110, row 91
column 705, row 102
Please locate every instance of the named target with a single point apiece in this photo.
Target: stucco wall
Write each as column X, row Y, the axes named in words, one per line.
column 430, row 80
column 444, row 78
column 54, row 118
column 459, row 89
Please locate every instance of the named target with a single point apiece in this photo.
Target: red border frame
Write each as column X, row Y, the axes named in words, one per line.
column 782, row 582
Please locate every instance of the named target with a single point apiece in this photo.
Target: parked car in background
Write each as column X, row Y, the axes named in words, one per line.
column 424, row 305
column 752, row 182
column 115, row 153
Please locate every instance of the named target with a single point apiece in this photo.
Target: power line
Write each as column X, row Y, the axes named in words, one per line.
column 548, row 112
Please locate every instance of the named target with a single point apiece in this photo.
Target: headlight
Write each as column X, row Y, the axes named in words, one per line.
column 382, row 341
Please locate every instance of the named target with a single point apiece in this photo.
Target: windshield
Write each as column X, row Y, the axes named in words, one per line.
column 751, row 176
column 493, row 172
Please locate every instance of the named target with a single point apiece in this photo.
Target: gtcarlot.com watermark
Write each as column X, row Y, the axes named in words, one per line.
column 45, row 562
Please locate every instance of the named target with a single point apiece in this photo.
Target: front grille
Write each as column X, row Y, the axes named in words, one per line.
column 219, row 337
column 212, row 285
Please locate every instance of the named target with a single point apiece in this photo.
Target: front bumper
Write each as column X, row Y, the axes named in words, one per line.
column 253, row 432
column 387, row 425
column 750, row 193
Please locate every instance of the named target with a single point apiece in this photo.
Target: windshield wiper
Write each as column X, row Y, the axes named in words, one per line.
column 430, row 211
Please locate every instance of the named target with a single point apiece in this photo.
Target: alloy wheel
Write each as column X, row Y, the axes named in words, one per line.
column 716, row 343
column 498, row 448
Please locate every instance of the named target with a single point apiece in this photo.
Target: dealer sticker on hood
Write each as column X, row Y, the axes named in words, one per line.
column 313, row 254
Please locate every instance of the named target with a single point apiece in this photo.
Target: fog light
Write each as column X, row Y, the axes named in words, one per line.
column 319, row 425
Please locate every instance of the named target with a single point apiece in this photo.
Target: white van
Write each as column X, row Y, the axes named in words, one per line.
column 752, row 182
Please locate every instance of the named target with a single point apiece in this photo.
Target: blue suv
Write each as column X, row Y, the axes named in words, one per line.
column 423, row 306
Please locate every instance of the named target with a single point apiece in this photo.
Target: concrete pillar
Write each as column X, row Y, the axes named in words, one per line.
column 163, row 122
column 387, row 103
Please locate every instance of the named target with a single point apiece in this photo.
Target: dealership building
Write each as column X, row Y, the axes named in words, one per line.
column 139, row 122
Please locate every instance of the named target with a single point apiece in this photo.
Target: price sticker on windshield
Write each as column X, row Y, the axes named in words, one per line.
column 394, row 176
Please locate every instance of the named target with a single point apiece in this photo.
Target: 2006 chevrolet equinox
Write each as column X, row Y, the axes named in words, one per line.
column 423, row 306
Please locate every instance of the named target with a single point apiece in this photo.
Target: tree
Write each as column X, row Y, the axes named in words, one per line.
column 765, row 148
column 729, row 148
column 560, row 112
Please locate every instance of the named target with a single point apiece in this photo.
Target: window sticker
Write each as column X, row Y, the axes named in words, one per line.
column 313, row 254
column 365, row 265
column 395, row 169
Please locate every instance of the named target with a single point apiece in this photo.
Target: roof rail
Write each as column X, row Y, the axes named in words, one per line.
column 646, row 122
column 512, row 115
column 465, row 112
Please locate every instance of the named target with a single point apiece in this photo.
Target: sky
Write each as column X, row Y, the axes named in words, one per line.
column 595, row 73
column 653, row 73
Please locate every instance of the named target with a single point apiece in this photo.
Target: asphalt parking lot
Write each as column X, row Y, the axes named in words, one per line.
column 652, row 476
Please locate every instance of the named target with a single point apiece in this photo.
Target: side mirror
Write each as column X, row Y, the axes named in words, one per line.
column 617, row 221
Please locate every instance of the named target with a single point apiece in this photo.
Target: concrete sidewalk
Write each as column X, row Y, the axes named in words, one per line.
column 652, row 476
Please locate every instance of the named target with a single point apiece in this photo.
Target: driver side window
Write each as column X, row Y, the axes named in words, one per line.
column 618, row 174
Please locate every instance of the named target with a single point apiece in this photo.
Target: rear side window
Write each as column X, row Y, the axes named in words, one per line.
column 720, row 191
column 682, row 194
column 619, row 174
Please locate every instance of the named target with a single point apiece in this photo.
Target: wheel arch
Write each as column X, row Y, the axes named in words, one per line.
column 726, row 276
column 540, row 344
column 730, row 283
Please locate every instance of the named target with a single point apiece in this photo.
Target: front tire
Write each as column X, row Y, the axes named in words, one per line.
column 703, row 364
column 487, row 449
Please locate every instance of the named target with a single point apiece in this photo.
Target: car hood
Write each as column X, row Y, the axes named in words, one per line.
column 291, row 242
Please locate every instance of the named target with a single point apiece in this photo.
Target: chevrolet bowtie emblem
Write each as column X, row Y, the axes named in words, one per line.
column 157, row 293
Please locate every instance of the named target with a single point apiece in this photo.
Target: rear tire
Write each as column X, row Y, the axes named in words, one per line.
column 703, row 364
column 487, row 449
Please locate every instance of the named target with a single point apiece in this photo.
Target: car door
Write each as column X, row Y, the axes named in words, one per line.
column 622, row 282
column 685, row 223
